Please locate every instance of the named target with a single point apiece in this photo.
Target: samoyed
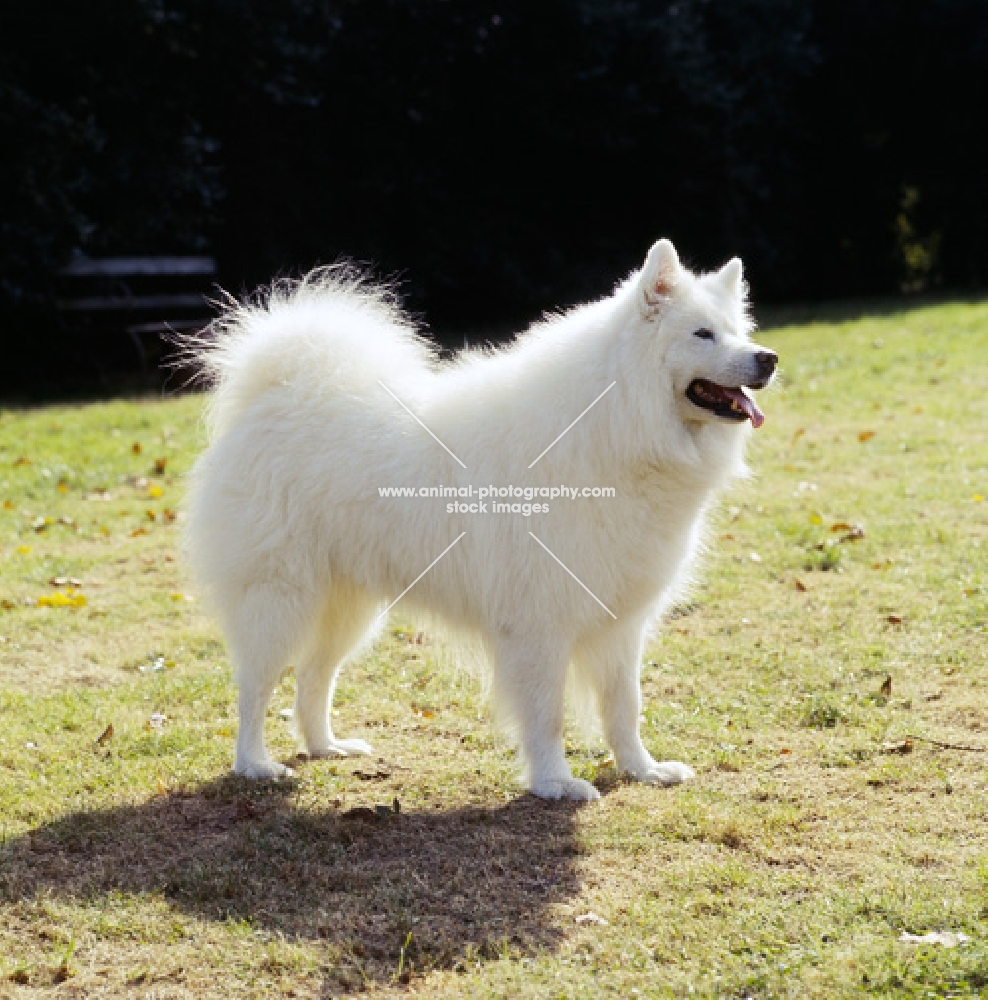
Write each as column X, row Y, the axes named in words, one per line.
column 325, row 398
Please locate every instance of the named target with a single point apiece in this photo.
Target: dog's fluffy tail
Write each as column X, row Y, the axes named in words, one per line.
column 333, row 329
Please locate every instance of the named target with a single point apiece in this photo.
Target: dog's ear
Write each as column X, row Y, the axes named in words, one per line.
column 731, row 278
column 659, row 276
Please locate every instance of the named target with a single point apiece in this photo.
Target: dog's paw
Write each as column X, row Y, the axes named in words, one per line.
column 262, row 770
column 341, row 748
column 666, row 772
column 574, row 789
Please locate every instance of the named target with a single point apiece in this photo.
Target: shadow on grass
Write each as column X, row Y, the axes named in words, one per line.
column 467, row 883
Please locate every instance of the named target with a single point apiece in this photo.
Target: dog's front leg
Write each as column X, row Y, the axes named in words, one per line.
column 530, row 680
column 611, row 662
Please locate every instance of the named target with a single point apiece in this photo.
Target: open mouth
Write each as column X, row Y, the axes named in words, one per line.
column 727, row 402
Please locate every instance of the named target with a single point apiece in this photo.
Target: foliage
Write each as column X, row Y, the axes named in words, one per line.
column 504, row 158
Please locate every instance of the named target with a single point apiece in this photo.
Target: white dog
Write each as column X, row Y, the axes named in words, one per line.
column 324, row 394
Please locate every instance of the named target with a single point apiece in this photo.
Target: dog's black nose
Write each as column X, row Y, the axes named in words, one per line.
column 766, row 362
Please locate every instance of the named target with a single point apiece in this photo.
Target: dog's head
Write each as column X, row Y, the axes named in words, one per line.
column 700, row 324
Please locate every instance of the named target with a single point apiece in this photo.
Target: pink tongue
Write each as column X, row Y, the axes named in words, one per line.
column 749, row 406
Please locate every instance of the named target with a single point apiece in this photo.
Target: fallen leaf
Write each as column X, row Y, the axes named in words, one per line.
column 854, row 535
column 151, row 516
column 8, row 505
column 168, row 515
column 425, row 713
column 800, row 586
column 785, row 750
column 894, row 619
column 22, row 461
column 371, row 775
column 246, row 810
column 138, row 531
column 7, row 604
column 800, row 431
column 949, row 939
column 898, row 746
column 62, row 599
column 105, row 736
column 159, row 466
column 136, row 447
column 885, row 691
column 866, row 435
column 591, row 918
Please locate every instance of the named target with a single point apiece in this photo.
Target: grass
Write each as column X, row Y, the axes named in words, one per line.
column 133, row 864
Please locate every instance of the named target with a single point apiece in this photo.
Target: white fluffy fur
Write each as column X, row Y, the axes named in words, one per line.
column 299, row 554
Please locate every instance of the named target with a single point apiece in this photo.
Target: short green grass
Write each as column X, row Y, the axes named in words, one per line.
column 132, row 864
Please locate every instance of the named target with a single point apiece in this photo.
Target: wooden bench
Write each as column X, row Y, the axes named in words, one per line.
column 144, row 298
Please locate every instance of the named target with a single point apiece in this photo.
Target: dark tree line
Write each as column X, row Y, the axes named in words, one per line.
column 502, row 158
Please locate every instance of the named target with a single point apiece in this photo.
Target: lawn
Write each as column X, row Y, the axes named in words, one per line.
column 840, row 622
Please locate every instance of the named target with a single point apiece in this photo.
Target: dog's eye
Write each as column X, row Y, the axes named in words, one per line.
column 703, row 334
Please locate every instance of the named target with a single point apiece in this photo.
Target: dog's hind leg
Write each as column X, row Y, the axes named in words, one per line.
column 346, row 623
column 610, row 662
column 530, row 681
column 263, row 631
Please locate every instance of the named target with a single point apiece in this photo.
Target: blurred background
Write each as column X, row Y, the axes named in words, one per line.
column 499, row 159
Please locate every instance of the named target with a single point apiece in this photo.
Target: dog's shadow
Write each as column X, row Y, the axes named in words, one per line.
column 464, row 884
